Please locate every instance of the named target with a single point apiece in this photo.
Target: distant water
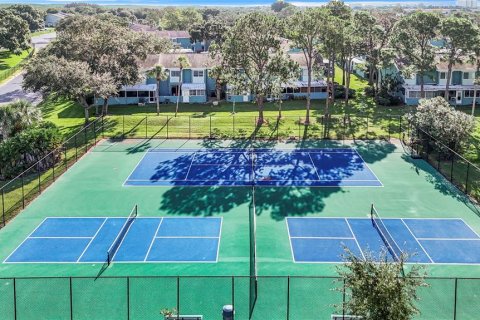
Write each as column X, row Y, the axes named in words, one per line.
column 232, row 3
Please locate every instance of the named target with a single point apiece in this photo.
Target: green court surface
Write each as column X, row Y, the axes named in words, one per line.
column 94, row 187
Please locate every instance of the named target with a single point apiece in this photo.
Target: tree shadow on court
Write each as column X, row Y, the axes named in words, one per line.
column 279, row 202
column 439, row 182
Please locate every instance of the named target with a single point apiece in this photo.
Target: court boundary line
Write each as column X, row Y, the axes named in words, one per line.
column 355, row 237
column 153, row 240
column 418, row 242
column 253, row 165
column 389, row 218
column 126, row 261
column 91, row 240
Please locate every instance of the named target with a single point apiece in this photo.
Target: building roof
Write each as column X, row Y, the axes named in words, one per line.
column 171, row 34
column 140, row 87
column 197, row 60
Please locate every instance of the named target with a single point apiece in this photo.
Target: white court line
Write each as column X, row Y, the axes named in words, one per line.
column 416, row 240
column 324, row 238
column 448, row 239
column 41, row 223
column 153, row 240
column 290, row 240
column 368, row 167
column 190, row 167
column 60, row 237
column 470, row 228
column 219, row 239
column 186, row 237
column 135, row 168
column 356, row 241
column 314, row 167
column 91, row 240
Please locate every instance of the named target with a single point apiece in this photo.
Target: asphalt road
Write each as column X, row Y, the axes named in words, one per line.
column 12, row 89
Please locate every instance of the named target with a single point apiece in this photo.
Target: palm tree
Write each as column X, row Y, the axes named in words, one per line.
column 182, row 62
column 18, row 116
column 160, row 74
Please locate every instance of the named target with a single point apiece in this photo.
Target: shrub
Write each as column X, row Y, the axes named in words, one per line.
column 439, row 119
column 21, row 151
column 341, row 90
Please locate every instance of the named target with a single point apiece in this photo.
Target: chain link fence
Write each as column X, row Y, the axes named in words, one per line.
column 145, row 297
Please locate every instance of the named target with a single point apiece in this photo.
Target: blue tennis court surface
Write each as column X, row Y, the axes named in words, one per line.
column 443, row 241
column 86, row 240
column 260, row 167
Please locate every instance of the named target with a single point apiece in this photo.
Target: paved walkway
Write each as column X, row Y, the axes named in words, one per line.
column 12, row 89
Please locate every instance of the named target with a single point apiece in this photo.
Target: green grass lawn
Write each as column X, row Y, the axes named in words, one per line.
column 42, row 32
column 8, row 61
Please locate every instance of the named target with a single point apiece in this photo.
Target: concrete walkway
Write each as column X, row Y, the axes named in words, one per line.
column 12, row 89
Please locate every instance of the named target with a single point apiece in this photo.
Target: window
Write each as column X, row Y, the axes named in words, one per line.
column 121, row 94
column 466, row 75
column 469, row 93
column 142, row 94
column 198, row 73
column 196, row 92
column 414, row 94
column 175, row 73
column 131, row 94
column 443, row 75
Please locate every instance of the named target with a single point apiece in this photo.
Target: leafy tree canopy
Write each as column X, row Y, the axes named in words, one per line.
column 378, row 289
column 14, row 32
column 17, row 116
column 32, row 16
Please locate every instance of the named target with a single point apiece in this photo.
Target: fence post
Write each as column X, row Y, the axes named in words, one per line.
column 189, row 127
column 210, row 134
column 233, row 126
column 299, row 130
column 15, row 298
column 103, row 127
column 71, row 299
column 288, row 298
column 23, row 192
column 76, row 148
column 123, row 126
column 255, row 124
column 451, row 169
column 233, row 292
column 366, row 134
column 53, row 169
column 389, row 127
column 95, row 132
column 128, row 298
column 178, row 297
column 85, row 138
column 38, row 171
column 3, row 205
column 455, row 300
column 400, row 127
column 146, row 126
column 466, row 179
column 343, row 298
column 65, row 157
column 168, row 120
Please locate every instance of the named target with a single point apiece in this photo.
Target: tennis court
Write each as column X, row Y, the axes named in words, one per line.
column 99, row 240
column 438, row 241
column 261, row 167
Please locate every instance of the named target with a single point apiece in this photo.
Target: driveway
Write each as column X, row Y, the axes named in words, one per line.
column 12, row 89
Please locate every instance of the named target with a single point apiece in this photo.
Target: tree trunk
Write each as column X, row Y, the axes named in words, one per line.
column 105, row 107
column 449, row 77
column 371, row 70
column 260, row 109
column 347, row 83
column 219, row 91
column 327, row 101
column 377, row 83
column 87, row 116
column 333, row 79
column 422, row 91
column 309, row 90
column 158, row 97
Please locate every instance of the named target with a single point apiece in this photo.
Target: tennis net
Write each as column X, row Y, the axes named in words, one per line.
column 253, row 252
column 118, row 240
column 387, row 238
